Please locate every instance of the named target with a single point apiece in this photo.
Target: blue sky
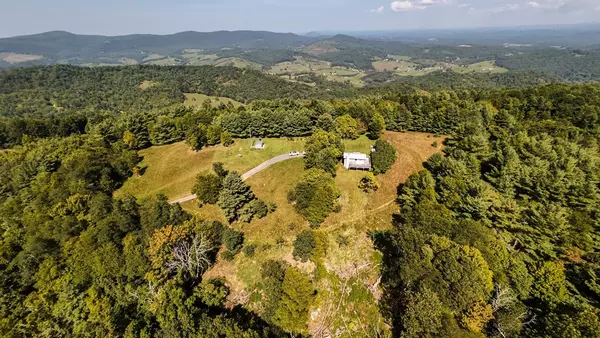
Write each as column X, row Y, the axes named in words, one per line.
column 117, row 17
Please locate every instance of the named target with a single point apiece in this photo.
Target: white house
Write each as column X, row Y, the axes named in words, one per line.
column 357, row 161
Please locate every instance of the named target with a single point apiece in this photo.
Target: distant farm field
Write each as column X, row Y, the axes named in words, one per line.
column 405, row 66
column 291, row 70
column 480, row 67
column 237, row 62
column 14, row 58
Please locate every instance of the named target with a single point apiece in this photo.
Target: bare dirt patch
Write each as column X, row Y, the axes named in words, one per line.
column 14, row 58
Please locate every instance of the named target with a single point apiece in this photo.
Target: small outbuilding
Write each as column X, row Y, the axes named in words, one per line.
column 357, row 161
column 259, row 145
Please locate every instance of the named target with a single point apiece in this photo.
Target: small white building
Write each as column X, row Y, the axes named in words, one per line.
column 357, row 161
column 259, row 145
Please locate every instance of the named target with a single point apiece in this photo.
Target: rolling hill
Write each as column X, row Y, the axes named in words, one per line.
column 61, row 46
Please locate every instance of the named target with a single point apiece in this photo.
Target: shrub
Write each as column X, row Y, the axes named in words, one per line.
column 259, row 208
column 232, row 239
column 219, row 169
column 342, row 241
column 213, row 292
column 369, row 183
column 226, row 138
column 435, row 144
column 303, row 245
column 256, row 209
column 207, row 188
column 249, row 250
column 384, row 157
column 228, row 256
column 280, row 241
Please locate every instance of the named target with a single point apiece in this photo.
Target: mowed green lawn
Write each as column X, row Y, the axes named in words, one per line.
column 172, row 169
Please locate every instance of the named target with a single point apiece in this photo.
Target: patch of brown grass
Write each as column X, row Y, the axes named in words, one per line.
column 357, row 207
column 148, row 84
column 13, row 58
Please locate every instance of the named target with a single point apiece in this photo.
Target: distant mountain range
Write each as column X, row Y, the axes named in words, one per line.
column 64, row 47
column 569, row 52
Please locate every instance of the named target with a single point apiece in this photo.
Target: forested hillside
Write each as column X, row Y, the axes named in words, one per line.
column 355, row 60
column 496, row 238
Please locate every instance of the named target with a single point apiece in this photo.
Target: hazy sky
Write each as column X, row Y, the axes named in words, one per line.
column 116, row 17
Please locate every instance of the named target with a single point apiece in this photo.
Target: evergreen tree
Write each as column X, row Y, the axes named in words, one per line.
column 234, row 195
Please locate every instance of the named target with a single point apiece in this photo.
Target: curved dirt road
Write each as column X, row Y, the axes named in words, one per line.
column 249, row 173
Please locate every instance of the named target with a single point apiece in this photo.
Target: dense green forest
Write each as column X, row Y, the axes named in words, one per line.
column 65, row 100
column 497, row 238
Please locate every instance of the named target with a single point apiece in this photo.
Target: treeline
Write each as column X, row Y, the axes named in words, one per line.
column 498, row 237
column 156, row 120
column 446, row 80
column 49, row 90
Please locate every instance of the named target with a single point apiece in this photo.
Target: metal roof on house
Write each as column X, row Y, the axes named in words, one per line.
column 356, row 156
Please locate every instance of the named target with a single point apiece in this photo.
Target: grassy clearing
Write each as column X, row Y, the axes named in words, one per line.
column 394, row 65
column 196, row 100
column 407, row 68
column 172, row 169
column 194, row 58
column 402, row 66
column 148, row 84
column 302, row 66
column 238, row 63
column 14, row 58
column 348, row 272
column 480, row 67
column 168, row 61
column 153, row 57
column 320, row 48
column 399, row 57
column 128, row 61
